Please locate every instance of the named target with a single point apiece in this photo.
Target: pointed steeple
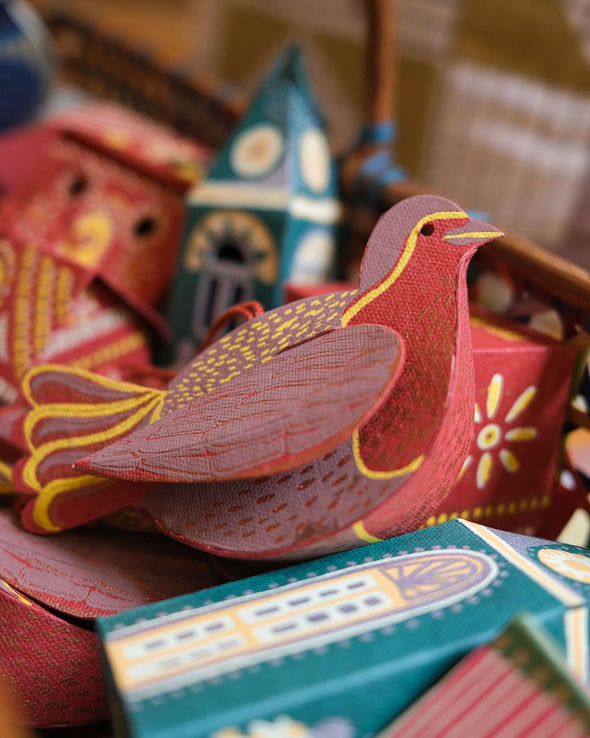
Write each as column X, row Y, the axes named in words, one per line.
column 280, row 138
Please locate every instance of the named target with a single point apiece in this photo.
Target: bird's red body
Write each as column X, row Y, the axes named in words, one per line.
column 312, row 428
column 398, row 431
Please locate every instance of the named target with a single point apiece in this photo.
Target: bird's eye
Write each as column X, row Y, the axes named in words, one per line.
column 427, row 229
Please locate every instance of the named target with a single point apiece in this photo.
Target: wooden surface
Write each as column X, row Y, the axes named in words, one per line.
column 164, row 28
column 542, row 269
column 380, row 55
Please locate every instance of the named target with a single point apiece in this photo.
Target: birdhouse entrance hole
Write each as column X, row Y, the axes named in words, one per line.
column 230, row 252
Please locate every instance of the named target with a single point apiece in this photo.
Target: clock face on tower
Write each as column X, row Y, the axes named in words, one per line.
column 257, row 151
column 234, row 237
column 231, row 251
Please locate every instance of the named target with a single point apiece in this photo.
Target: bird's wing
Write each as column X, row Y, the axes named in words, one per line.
column 272, row 418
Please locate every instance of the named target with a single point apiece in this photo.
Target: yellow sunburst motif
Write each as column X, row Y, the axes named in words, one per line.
column 571, row 565
column 495, row 432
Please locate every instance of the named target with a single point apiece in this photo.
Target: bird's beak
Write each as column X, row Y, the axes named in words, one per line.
column 473, row 233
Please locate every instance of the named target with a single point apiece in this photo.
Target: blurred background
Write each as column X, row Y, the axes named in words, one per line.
column 492, row 99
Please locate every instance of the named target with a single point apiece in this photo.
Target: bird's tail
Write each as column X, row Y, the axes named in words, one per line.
column 71, row 414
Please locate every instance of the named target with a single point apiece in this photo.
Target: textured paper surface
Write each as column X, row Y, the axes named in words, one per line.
column 518, row 685
column 238, row 458
column 355, row 637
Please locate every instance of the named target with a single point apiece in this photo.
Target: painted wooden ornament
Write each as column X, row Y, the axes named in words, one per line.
column 313, row 427
column 508, row 480
column 341, row 646
column 266, row 211
column 519, row 684
column 88, row 231
column 100, row 202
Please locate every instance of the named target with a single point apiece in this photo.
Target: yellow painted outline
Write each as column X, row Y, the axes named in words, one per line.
column 473, row 234
column 67, row 410
column 401, row 264
column 58, row 486
column 361, row 532
column 18, row 595
column 368, row 298
column 364, row 469
column 112, row 384
column 144, row 402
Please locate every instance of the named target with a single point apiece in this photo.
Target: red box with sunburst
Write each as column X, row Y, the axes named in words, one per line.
column 522, row 381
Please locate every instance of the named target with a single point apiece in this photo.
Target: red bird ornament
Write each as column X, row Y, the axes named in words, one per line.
column 311, row 428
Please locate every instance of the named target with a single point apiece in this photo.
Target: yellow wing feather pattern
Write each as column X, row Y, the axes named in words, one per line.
column 74, row 412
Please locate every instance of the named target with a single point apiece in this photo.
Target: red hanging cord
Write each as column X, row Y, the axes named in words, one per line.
column 245, row 310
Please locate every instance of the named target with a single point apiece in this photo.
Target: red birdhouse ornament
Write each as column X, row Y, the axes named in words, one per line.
column 88, row 238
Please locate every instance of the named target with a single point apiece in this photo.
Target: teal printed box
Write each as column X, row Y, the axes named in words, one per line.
column 340, row 645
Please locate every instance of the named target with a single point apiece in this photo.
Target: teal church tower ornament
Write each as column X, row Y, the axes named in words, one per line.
column 266, row 213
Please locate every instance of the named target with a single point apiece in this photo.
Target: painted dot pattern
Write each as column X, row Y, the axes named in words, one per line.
column 256, row 342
